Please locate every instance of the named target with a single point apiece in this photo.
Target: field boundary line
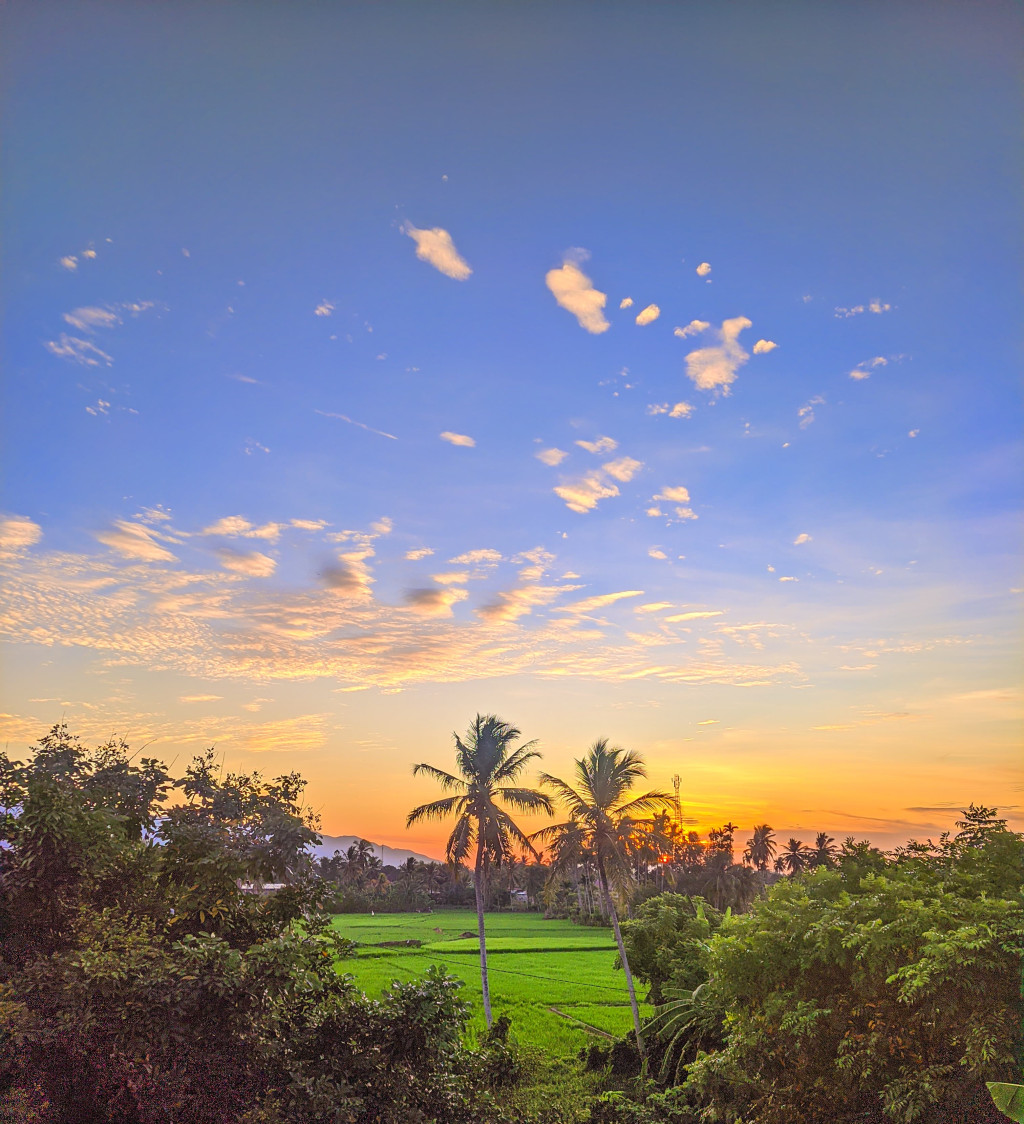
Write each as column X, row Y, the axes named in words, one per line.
column 579, row 1022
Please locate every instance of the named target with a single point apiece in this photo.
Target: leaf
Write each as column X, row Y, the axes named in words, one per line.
column 1009, row 1099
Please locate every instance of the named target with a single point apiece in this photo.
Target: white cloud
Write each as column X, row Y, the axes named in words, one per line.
column 806, row 412
column 309, row 524
column 712, row 367
column 655, row 552
column 623, row 469
column 695, row 327
column 697, row 615
column 434, row 602
column 681, row 410
column 18, row 533
column 652, row 607
column 416, row 555
column 352, row 421
column 70, row 263
column 134, row 540
column 89, row 319
column 875, row 306
column 913, row 433
column 199, row 698
column 601, row 445
column 252, row 565
column 703, row 269
column 648, row 315
column 788, row 579
column 454, row 577
column 552, row 456
column 475, row 557
column 674, row 495
column 457, row 439
column 511, row 604
column 254, row 446
column 859, row 373
column 801, row 539
column 436, row 247
column 76, row 350
column 583, row 493
column 575, row 292
column 324, row 308
column 234, row 526
column 601, row 601
column 762, row 347
column 626, row 302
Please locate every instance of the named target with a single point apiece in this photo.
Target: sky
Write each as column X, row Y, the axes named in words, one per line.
column 641, row 371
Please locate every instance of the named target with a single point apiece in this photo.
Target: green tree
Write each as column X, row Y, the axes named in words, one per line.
column 795, row 858
column 761, row 848
column 598, row 807
column 824, row 851
column 489, row 765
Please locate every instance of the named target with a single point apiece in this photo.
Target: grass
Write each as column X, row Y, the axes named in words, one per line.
column 534, row 966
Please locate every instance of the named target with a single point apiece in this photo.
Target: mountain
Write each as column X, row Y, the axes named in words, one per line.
column 391, row 856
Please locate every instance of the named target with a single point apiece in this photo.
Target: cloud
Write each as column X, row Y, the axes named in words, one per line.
column 626, row 302
column 652, row 607
column 583, row 493
column 252, row 565
column 574, row 291
column 788, row 578
column 324, row 308
column 655, row 552
column 674, row 495
column 457, row 439
column 436, row 247
column 17, row 534
column 623, row 469
column 511, row 604
column 601, row 445
column 349, row 576
column 199, row 698
column 454, row 577
column 552, row 456
column 601, row 601
column 235, row 526
column 859, row 373
column 70, row 263
column 352, row 421
column 703, row 269
column 416, row 555
column 762, row 347
column 713, row 367
column 679, row 410
column 875, row 306
column 913, row 432
column 648, row 315
column 89, row 319
column 801, row 539
column 434, row 602
column 806, row 412
column 695, row 327
column 254, row 446
column 475, row 557
column 135, row 540
column 309, row 524
column 76, row 350
column 696, row 615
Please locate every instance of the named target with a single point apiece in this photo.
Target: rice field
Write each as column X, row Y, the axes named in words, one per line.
column 556, row 981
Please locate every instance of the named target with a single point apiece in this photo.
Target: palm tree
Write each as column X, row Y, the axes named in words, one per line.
column 489, row 766
column 825, row 850
column 794, row 858
column 598, row 809
column 760, row 850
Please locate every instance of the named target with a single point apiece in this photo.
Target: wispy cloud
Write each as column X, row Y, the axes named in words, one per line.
column 252, row 564
column 875, row 306
column 648, row 315
column 89, row 319
column 575, row 292
column 600, row 601
column 801, row 539
column 623, row 469
column 600, row 446
column 451, row 577
column 511, row 604
column 135, row 540
column 420, row 552
column 199, row 698
column 352, row 421
column 434, row 602
column 806, row 412
column 695, row 327
column 551, row 457
column 324, row 308
column 436, row 247
column 76, row 350
column 711, row 368
column 17, row 534
column 484, row 556
column 583, row 493
column 457, row 439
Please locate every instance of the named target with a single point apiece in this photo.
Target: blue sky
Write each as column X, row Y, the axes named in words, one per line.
column 228, row 374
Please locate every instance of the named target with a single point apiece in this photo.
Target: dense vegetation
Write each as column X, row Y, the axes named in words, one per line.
column 144, row 976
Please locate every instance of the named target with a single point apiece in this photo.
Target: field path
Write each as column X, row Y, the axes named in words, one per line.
column 589, row 1027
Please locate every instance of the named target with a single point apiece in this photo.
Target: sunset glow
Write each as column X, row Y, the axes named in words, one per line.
column 627, row 371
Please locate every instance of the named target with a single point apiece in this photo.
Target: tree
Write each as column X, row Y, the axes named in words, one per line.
column 795, row 858
column 824, row 851
column 597, row 809
column 761, row 848
column 489, row 764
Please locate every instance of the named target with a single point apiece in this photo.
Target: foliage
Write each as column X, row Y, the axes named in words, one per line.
column 665, row 939
column 887, row 996
column 141, row 983
column 1009, row 1099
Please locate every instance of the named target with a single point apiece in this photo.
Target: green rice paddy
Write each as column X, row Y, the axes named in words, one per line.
column 556, row 981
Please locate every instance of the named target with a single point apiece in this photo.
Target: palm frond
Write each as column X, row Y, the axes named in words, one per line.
column 649, row 802
column 446, row 780
column 526, row 799
column 516, row 762
column 436, row 810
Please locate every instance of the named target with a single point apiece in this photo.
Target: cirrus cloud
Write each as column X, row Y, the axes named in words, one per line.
column 457, row 439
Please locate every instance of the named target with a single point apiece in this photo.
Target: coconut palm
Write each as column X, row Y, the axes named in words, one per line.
column 760, row 850
column 489, row 765
column 824, row 850
column 598, row 808
column 795, row 858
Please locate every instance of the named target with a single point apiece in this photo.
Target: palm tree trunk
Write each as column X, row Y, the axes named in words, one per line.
column 478, row 885
column 610, row 906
